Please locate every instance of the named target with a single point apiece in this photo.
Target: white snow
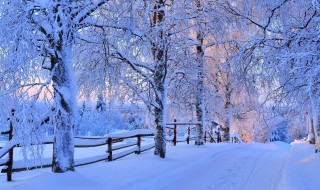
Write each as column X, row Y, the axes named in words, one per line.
column 303, row 167
column 65, row 92
column 120, row 146
column 131, row 133
column 235, row 135
column 224, row 166
column 4, row 160
column 126, row 152
column 7, row 147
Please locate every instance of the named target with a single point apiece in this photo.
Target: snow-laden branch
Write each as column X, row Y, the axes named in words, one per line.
column 84, row 12
column 134, row 89
column 101, row 24
column 134, row 63
column 265, row 27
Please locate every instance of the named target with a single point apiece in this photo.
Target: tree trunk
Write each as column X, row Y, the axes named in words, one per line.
column 200, row 111
column 159, row 137
column 160, row 115
column 200, row 118
column 315, row 118
column 311, row 137
column 227, row 107
column 225, row 131
column 159, row 53
column 65, row 99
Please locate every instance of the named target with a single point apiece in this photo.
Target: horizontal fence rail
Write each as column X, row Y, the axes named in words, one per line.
column 115, row 142
column 212, row 136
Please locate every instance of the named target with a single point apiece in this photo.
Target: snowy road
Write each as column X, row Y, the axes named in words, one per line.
column 249, row 166
column 243, row 168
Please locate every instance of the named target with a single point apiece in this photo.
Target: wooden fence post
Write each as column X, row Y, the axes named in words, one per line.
column 219, row 135
column 188, row 137
column 10, row 162
column 211, row 135
column 212, row 139
column 138, row 144
column 175, row 133
column 110, row 149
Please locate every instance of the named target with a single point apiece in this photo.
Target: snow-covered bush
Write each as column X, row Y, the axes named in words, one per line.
column 297, row 130
column 99, row 122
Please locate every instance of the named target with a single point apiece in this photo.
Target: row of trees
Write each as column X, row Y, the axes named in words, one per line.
column 244, row 63
column 285, row 49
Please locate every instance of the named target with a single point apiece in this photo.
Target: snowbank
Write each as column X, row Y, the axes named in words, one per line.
column 222, row 166
column 303, row 167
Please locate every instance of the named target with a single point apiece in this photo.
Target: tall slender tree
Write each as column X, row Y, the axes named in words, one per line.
column 200, row 107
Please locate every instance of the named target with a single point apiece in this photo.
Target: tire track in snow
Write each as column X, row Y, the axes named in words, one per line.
column 232, row 174
column 183, row 173
column 267, row 171
column 253, row 170
column 242, row 168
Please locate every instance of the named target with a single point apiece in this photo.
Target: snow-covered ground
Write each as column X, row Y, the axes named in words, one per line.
column 224, row 166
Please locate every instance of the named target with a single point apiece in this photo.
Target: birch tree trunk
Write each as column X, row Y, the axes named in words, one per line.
column 159, row 137
column 200, row 77
column 160, row 57
column 311, row 137
column 227, row 106
column 315, row 118
column 64, row 86
column 65, row 98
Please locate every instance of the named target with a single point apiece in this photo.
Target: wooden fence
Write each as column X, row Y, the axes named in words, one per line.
column 208, row 135
column 114, row 142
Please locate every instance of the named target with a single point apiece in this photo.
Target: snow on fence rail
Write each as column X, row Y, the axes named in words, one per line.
column 114, row 141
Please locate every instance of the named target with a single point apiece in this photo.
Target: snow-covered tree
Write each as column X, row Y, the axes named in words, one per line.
column 101, row 105
column 200, row 107
column 51, row 28
column 147, row 54
column 284, row 48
